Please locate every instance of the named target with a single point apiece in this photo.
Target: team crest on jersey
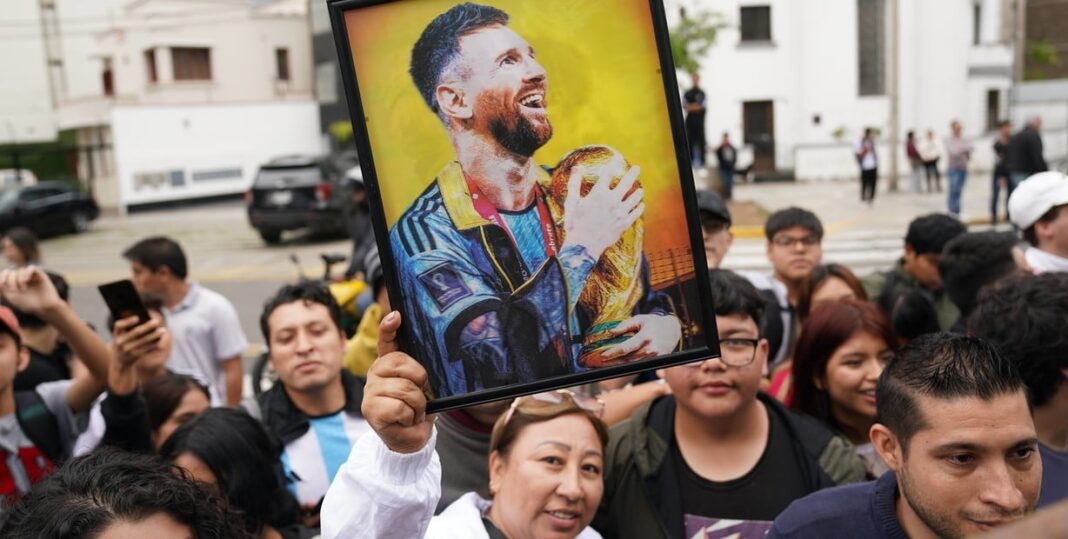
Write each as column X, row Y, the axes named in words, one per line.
column 445, row 285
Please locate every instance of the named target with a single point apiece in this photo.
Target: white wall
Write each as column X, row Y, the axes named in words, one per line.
column 25, row 99
column 195, row 138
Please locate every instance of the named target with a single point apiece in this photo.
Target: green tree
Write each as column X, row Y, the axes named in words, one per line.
column 1041, row 55
column 693, row 36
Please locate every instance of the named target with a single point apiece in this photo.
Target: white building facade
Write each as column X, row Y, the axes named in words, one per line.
column 799, row 80
column 188, row 97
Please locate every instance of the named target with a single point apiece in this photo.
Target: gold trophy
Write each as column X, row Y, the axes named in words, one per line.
column 614, row 286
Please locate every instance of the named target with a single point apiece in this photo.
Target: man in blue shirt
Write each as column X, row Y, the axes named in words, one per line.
column 489, row 289
column 953, row 426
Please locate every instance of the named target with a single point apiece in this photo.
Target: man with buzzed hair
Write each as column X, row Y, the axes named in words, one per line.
column 490, row 289
column 954, row 427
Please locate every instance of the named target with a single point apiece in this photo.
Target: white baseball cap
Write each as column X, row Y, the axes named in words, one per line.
column 1036, row 195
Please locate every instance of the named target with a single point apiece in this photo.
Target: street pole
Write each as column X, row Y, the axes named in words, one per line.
column 892, row 91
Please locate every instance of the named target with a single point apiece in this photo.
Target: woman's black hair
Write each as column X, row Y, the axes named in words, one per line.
column 245, row 462
column 163, row 395
column 88, row 494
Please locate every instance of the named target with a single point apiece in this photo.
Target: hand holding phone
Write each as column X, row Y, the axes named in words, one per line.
column 123, row 301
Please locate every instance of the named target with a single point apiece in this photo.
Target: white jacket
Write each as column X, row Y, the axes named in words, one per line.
column 382, row 494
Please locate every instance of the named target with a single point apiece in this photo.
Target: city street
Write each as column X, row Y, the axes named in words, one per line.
column 227, row 255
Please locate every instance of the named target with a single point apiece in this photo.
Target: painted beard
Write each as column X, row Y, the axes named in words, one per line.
column 518, row 134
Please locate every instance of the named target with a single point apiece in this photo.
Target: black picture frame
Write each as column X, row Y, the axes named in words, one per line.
column 706, row 343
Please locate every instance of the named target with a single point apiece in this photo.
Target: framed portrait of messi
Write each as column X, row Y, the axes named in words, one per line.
column 530, row 189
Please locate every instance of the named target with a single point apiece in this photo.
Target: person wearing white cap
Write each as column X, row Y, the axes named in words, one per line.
column 1039, row 207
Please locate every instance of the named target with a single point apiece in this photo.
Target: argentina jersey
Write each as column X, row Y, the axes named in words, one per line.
column 312, row 461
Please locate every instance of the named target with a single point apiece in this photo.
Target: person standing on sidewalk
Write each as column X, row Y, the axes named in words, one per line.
column 931, row 152
column 869, row 166
column 726, row 155
column 1001, row 174
column 959, row 152
column 694, row 104
column 915, row 161
column 1023, row 157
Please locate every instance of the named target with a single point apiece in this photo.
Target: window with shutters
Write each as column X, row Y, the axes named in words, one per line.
column 871, row 46
column 756, row 23
column 191, row 63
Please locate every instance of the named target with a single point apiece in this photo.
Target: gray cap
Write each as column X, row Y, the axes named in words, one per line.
column 708, row 201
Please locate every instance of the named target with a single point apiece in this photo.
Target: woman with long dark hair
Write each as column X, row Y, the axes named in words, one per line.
column 227, row 448
column 839, row 357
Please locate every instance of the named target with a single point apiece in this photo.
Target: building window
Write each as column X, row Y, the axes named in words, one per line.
column 191, row 63
column 871, row 46
column 150, row 65
column 993, row 109
column 756, row 23
column 281, row 62
column 977, row 23
column 107, row 78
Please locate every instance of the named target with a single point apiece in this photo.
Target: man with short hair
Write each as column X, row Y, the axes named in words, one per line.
column 693, row 102
column 794, row 236
column 972, row 261
column 314, row 408
column 1026, row 317
column 1023, row 156
column 958, row 152
column 917, row 269
column 1039, row 207
column 953, row 426
column 208, row 339
column 715, row 227
column 491, row 292
column 717, row 448
column 38, row 428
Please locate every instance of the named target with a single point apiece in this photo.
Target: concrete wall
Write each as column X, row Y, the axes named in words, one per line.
column 187, row 151
column 25, row 95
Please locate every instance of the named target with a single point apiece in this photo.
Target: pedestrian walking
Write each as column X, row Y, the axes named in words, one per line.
column 915, row 161
column 958, row 153
column 726, row 154
column 869, row 166
column 930, row 153
column 1000, row 179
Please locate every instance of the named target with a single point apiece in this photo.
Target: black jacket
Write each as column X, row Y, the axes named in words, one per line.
column 285, row 422
column 640, row 488
column 1024, row 154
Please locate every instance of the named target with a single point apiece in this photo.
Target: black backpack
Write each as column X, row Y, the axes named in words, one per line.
column 40, row 425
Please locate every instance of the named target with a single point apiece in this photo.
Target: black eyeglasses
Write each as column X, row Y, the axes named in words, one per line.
column 734, row 352
column 790, row 241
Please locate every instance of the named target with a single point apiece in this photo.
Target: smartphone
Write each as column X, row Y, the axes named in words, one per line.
column 124, row 301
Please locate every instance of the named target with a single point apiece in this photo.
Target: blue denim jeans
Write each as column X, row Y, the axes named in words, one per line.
column 957, row 177
column 726, row 175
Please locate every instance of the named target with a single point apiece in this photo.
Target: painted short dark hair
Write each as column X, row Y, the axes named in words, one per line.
column 156, row 252
column 1026, row 318
column 439, row 44
column 943, row 366
column 793, row 217
column 309, row 292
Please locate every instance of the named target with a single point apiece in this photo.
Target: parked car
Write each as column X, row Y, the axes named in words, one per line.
column 297, row 192
column 48, row 207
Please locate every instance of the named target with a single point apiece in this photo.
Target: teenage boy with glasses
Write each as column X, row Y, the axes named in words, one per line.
column 717, row 448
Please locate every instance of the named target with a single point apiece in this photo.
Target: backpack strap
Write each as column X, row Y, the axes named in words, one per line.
column 40, row 425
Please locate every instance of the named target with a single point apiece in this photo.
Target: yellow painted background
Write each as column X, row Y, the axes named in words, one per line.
column 604, row 87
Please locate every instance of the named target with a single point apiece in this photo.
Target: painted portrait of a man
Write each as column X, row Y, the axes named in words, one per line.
column 511, row 270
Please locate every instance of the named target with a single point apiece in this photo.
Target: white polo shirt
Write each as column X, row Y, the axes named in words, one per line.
column 205, row 330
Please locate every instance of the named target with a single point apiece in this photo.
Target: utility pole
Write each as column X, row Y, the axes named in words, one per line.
column 892, row 92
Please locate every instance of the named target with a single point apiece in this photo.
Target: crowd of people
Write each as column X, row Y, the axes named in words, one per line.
column 925, row 400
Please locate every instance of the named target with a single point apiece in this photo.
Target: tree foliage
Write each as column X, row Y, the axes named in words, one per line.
column 692, row 37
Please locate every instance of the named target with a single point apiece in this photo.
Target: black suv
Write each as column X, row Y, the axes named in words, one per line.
column 298, row 192
column 51, row 207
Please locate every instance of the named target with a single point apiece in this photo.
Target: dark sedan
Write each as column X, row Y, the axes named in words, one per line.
column 298, row 192
column 52, row 207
